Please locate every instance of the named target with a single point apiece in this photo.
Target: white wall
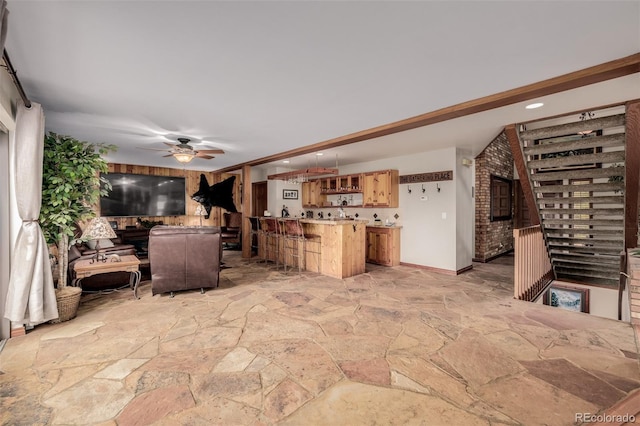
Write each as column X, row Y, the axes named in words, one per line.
column 429, row 220
column 275, row 202
column 465, row 210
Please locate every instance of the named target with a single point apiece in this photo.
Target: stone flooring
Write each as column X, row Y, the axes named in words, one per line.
column 393, row 346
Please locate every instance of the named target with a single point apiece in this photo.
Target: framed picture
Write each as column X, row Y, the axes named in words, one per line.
column 290, row 194
column 568, row 297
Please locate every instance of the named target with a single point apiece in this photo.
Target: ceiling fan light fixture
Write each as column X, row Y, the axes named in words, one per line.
column 183, row 157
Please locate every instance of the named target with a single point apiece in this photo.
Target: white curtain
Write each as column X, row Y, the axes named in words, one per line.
column 31, row 298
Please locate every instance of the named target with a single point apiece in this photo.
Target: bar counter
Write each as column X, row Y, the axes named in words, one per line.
column 341, row 247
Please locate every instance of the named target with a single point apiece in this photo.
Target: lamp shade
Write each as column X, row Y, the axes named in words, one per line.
column 184, row 157
column 98, row 228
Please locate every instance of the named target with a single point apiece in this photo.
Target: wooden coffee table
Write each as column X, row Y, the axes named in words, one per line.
column 87, row 268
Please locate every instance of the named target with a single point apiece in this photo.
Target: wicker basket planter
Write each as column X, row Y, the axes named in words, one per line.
column 68, row 299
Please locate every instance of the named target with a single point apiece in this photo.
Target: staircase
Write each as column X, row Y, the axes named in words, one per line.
column 576, row 172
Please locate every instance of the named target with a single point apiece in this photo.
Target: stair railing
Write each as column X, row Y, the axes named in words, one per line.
column 532, row 267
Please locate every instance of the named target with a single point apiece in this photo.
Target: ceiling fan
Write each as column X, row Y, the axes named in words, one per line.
column 184, row 153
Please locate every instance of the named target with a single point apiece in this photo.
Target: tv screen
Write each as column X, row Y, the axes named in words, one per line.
column 143, row 195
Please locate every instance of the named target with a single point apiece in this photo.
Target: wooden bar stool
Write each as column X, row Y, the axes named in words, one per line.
column 271, row 231
column 295, row 243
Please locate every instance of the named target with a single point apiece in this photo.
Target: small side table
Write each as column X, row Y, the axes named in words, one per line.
column 84, row 268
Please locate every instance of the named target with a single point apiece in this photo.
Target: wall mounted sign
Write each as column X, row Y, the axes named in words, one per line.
column 427, row 177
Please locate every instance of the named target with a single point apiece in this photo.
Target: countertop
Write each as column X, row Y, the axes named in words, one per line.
column 384, row 226
column 332, row 222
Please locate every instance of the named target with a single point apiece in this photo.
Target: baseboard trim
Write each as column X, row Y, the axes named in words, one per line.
column 20, row 331
column 438, row 270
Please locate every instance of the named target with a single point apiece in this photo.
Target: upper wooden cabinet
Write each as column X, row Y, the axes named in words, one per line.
column 380, row 189
column 311, row 194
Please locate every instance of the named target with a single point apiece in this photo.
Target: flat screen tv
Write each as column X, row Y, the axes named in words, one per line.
column 143, row 195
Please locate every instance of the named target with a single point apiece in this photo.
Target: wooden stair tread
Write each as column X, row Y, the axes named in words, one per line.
column 568, row 144
column 589, row 222
column 578, row 231
column 577, row 160
column 600, row 172
column 604, row 282
column 590, row 274
column 558, row 249
column 591, row 187
column 609, row 240
column 592, row 212
column 575, row 127
column 609, row 199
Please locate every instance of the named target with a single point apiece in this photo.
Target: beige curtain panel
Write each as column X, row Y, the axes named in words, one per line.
column 31, row 297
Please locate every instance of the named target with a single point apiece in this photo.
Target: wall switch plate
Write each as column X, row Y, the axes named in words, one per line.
column 444, row 215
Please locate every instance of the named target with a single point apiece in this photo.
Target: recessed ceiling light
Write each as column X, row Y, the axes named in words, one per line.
column 534, row 106
column 285, row 161
column 319, row 153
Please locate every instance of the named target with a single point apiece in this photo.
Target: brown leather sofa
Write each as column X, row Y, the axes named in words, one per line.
column 106, row 281
column 184, row 258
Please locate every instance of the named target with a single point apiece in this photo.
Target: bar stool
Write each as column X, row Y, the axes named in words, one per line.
column 255, row 234
column 295, row 243
column 271, row 232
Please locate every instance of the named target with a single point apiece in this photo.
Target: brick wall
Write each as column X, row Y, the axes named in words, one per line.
column 492, row 238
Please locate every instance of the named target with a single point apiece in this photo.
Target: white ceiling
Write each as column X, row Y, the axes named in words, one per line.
column 260, row 78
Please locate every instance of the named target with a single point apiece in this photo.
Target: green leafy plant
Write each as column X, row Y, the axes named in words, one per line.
column 70, row 189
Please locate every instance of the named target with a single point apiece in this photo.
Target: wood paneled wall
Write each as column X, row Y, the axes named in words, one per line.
column 192, row 181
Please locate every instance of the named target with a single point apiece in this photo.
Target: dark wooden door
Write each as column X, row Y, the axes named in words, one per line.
column 259, row 198
column 522, row 213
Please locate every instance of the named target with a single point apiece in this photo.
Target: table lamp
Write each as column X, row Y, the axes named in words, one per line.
column 98, row 229
column 201, row 211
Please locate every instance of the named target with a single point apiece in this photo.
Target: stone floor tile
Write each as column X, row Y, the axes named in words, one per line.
column 371, row 371
column 71, row 329
column 534, row 402
column 218, row 411
column 227, row 385
column 92, row 401
column 146, row 408
column 516, row 346
column 348, row 403
column 585, row 358
column 478, row 360
column 284, row 399
column 566, row 376
column 270, row 326
column 120, row 369
column 304, row 361
column 236, row 360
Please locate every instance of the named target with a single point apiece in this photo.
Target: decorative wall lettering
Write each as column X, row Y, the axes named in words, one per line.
column 427, row 177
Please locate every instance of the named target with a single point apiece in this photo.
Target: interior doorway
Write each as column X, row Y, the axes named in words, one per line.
column 258, row 198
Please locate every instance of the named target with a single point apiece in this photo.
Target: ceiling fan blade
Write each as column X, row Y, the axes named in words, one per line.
column 153, row 149
column 168, row 155
column 169, row 144
column 211, row 151
column 205, row 156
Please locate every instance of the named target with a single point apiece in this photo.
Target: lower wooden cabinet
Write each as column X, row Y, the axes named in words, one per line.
column 383, row 245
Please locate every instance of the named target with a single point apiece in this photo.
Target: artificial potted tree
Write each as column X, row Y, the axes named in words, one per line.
column 71, row 188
